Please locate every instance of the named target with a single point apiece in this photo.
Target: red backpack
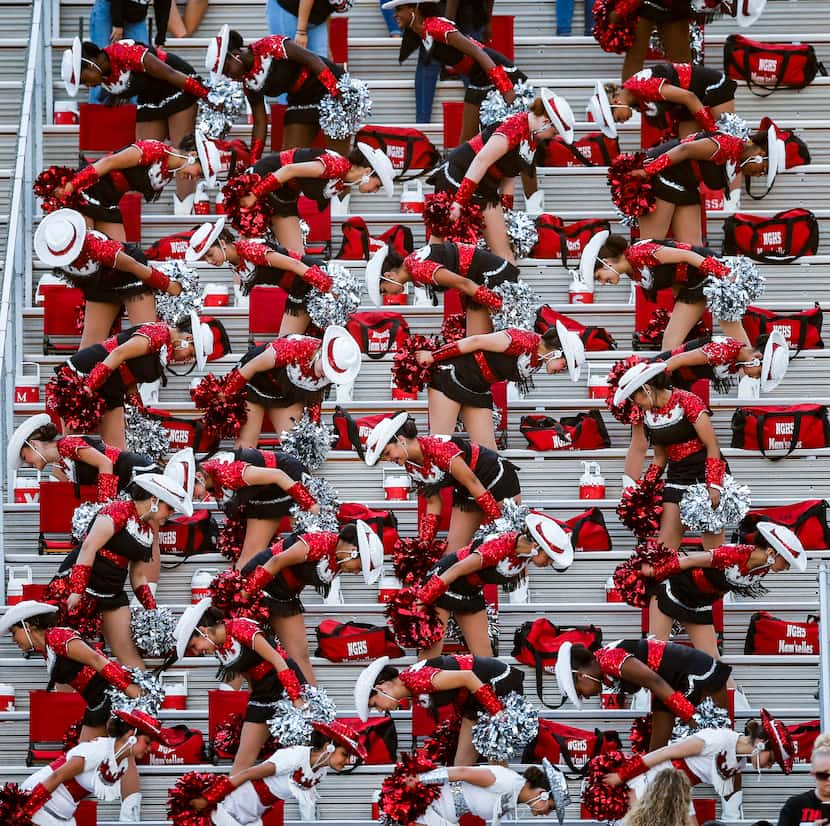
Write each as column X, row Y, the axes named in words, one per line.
column 185, row 746
column 359, row 245
column 585, row 431
column 383, row 523
column 188, row 535
column 804, row 736
column 352, row 433
column 781, row 239
column 345, row 641
column 807, row 520
column 771, row 636
column 594, row 149
column 588, row 531
column 407, row 148
column 802, row 329
column 780, row 428
column 172, row 246
column 378, row 332
column 378, row 736
column 595, row 339
column 568, row 745
column 796, row 151
column 565, row 241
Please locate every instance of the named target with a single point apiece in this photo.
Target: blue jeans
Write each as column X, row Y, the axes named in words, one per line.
column 565, row 13
column 389, row 17
column 100, row 29
column 283, row 22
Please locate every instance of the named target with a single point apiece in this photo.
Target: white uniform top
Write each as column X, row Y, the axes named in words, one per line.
column 294, row 778
column 716, row 765
column 61, row 806
column 490, row 803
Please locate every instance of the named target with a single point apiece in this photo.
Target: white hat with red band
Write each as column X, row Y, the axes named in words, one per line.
column 71, row 67
column 217, row 51
column 143, row 723
column 203, row 239
column 600, row 112
column 17, row 614
column 573, row 349
column 775, row 362
column 559, row 111
column 59, row 237
column 383, row 433
column 551, row 538
column 564, row 674
column 341, row 355
column 210, row 341
column 785, row 543
column 215, row 162
column 635, row 377
column 181, row 468
column 370, row 548
column 748, row 11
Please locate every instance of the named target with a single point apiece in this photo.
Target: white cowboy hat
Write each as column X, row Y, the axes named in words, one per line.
column 599, row 108
column 187, row 624
column 203, row 239
column 784, row 542
column 635, row 377
column 23, row 611
column 393, row 4
column 207, row 339
column 775, row 362
column 552, row 539
column 374, row 271
column 59, row 237
column 558, row 788
column 380, row 162
column 565, row 675
column 166, row 489
column 748, row 11
column 364, row 685
column 215, row 162
column 217, row 51
column 370, row 547
column 382, row 433
column 590, row 254
column 559, row 111
column 21, row 435
column 181, row 468
column 71, row 67
column 572, row 348
column 776, row 156
column 340, row 354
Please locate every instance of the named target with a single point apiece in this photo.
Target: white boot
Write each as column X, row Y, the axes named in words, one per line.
column 420, row 297
column 641, row 701
column 185, row 205
column 733, row 808
column 345, row 393
column 628, row 482
column 521, row 595
column 741, row 701
column 732, row 201
column 340, row 206
column 149, row 392
column 131, row 809
column 335, row 594
column 535, row 203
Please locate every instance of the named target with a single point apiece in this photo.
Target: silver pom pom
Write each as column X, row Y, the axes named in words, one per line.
column 307, row 441
column 227, row 94
column 626, row 220
column 513, row 516
column 83, row 517
column 521, row 232
column 152, row 631
column 305, row 229
column 326, row 496
column 494, row 109
column 745, row 273
column 334, row 307
column 150, row 700
column 502, row 736
column 696, row 42
column 342, row 116
column 172, row 308
column 697, row 513
column 144, row 434
column 519, row 305
column 726, row 299
column 707, row 715
column 291, row 726
column 731, row 124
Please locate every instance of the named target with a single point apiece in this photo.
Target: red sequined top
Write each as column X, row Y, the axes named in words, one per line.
column 228, row 475
column 437, row 458
column 252, row 252
column 612, row 658
column 723, row 350
column 297, row 350
column 124, row 57
column 121, row 512
column 647, row 86
column 57, row 640
column 499, row 554
column 728, row 147
column 422, row 269
column 523, row 342
column 69, row 446
column 728, row 555
column 271, row 46
column 642, row 257
column 158, row 334
column 334, row 165
column 242, row 630
column 418, row 678
column 672, row 425
column 70, row 671
column 320, row 544
column 97, row 251
column 516, row 129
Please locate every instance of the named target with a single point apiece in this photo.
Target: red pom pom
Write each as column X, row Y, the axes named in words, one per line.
column 632, row 196
column 223, row 415
column 254, row 222
column 412, row 627
column 641, row 507
column 67, row 397
column 188, row 787
column 402, row 802
column 601, row 801
column 640, row 736
column 86, row 619
column 407, row 374
column 442, row 745
column 230, row 539
column 653, row 333
column 628, row 579
column 72, row 736
column 454, row 328
column 226, row 592
column 466, row 230
column 616, row 38
column 12, row 800
column 51, row 179
column 627, row 412
column 413, row 558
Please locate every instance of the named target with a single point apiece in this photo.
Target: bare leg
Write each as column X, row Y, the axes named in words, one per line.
column 111, row 428
column 120, row 640
column 465, row 754
column 98, row 321
column 438, row 646
column 734, row 329
column 175, row 24
column 495, row 233
column 341, row 146
column 298, row 135
column 141, row 309
column 283, row 418
column 657, row 223
column 675, row 37
column 711, row 540
column 294, row 323
column 291, row 633
column 463, row 524
column 288, row 232
column 474, row 628
column 249, row 432
column 130, row 782
column 659, row 625
column 686, row 224
column 671, row 529
column 251, row 742
column 178, row 125
column 681, row 321
column 91, row 732
column 661, row 726
column 704, row 638
column 258, row 536
column 530, row 184
column 479, row 321
column 194, row 11
column 636, row 456
column 112, row 229
column 478, row 421
column 443, row 413
column 469, row 122
column 151, row 130
column 636, row 56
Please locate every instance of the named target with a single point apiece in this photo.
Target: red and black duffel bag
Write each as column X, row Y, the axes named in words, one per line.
column 771, row 636
column 569, row 746
column 585, row 431
column 537, row 642
column 781, row 239
column 595, row 339
column 378, row 332
column 802, row 329
column 594, row 149
column 796, row 152
column 407, row 148
column 378, row 736
column 359, row 245
column 188, row 535
column 588, row 531
column 172, row 246
column 804, row 736
column 343, row 641
column 565, row 241
column 185, row 432
column 807, row 520
column 780, row 428
column 770, row 66
column 351, row 431
column 383, row 523
column 185, row 747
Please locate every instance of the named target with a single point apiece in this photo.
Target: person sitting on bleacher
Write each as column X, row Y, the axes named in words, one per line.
column 243, row 649
column 291, row 773
column 471, row 270
column 469, row 684
column 259, row 263
column 109, row 273
column 281, row 573
column 84, row 460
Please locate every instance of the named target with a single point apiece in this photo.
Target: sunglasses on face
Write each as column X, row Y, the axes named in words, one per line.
column 823, row 776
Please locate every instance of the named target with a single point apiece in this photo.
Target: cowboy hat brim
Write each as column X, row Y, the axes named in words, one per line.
column 167, row 490
column 23, row 611
column 374, row 271
column 71, row 68
column 749, row 11
column 181, row 468
column 334, row 372
column 602, row 112
column 364, row 685
column 552, row 538
column 589, row 256
column 382, row 433
column 21, row 435
column 203, row 239
column 217, row 52
column 380, row 162
column 370, row 547
column 638, row 375
column 67, row 256
column 565, row 676
column 775, row 361
column 573, row 349
column 187, row 624
column 560, row 113
column 785, row 543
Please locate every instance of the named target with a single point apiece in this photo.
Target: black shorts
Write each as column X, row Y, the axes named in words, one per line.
column 679, row 475
column 479, row 85
column 500, row 478
column 98, row 705
column 165, row 100
column 446, row 380
column 666, row 11
column 448, row 177
column 675, row 193
column 678, row 598
column 460, row 598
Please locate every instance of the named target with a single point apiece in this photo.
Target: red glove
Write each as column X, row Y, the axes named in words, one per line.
column 79, row 578
column 257, row 148
column 116, row 675
column 107, row 487
column 218, row 790
column 86, row 178
column 233, row 382
column 192, row 86
column 158, row 280
column 428, row 526
column 465, row 192
column 432, row 590
column 487, row 298
column 653, row 473
column 499, row 79
column 488, row 504
column 290, row 683
column 327, row 78
column 258, row 580
column 38, row 796
column 447, row 352
column 715, row 471
column 266, row 185
column 318, row 278
column 98, row 376
column 487, row 699
column 711, row 266
column 144, row 595
column 678, row 705
column 666, row 568
column 656, row 166
column 704, row 118
column 632, row 768
column 301, row 495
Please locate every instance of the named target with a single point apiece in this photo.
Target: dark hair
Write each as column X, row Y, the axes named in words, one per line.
column 760, row 342
column 183, row 325
column 662, row 381
column 212, row 616
column 536, row 778
column 348, row 533
column 357, row 158
column 137, row 493
column 388, row 672
column 42, row 621
column 550, row 338
column 409, row 430
column 755, row 731
column 429, row 9
column 581, row 657
column 116, row 727
column 44, row 434
column 760, row 139
column 612, row 89
column 392, row 261
column 235, row 40
column 90, row 50
column 614, row 247
column 318, row 739
column 226, row 235
column 187, row 143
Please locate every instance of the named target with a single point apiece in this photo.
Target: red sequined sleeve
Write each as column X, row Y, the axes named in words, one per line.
column 112, row 453
column 151, row 151
column 58, row 638
column 642, row 253
column 439, row 452
column 102, row 250
column 419, row 680
column 692, row 405
column 294, row 350
column 68, row 446
column 120, row 511
column 334, row 165
column 729, row 555
column 722, row 351
column 127, row 56
column 157, row 334
column 439, row 28
column 422, row 271
column 656, row 650
column 496, row 550
column 242, row 630
column 645, row 85
column 611, row 660
column 729, row 148
column 515, row 129
column 229, row 475
column 272, row 46
column 251, row 251
column 319, row 544
column 521, row 341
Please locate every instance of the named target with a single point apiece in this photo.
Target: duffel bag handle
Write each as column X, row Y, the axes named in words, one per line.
column 761, row 419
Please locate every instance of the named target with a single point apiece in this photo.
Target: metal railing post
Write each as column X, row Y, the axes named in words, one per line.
column 824, row 645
